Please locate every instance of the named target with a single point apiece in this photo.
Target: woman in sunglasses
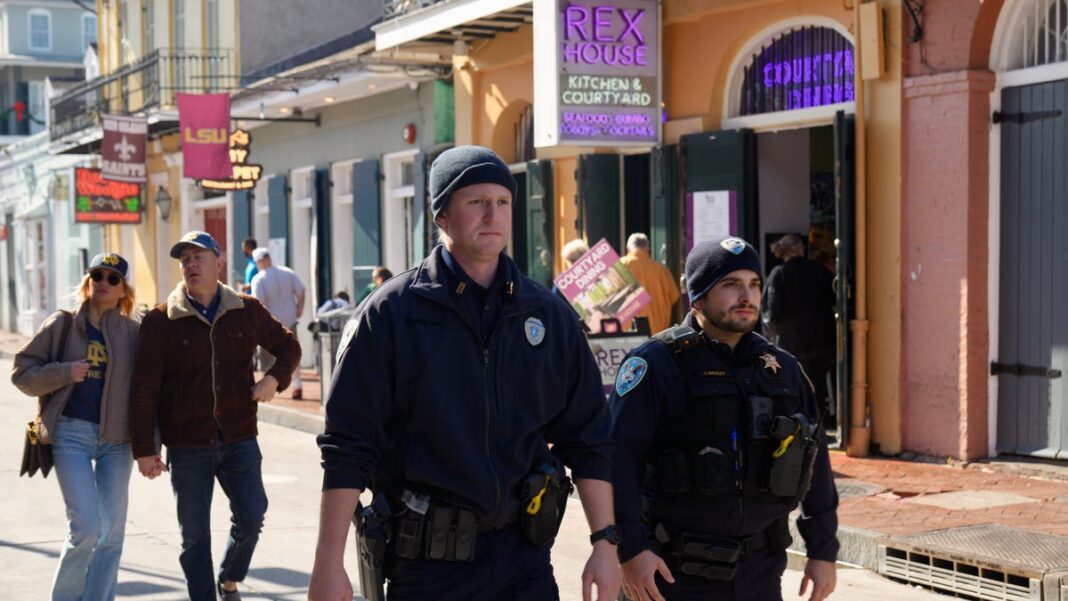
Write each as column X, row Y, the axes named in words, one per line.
column 86, row 421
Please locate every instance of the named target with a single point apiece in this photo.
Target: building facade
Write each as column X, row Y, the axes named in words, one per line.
column 755, row 135
column 43, row 46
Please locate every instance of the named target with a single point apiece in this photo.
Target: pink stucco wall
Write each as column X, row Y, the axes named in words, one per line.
column 945, row 263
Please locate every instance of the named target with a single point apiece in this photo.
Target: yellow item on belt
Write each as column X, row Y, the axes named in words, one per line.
column 535, row 504
column 785, row 444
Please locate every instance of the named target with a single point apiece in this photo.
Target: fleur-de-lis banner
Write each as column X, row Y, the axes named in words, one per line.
column 204, row 122
column 123, row 148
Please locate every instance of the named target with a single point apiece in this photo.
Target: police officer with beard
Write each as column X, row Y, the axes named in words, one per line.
column 717, row 441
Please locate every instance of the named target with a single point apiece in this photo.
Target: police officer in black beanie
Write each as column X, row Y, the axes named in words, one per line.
column 453, row 380
column 717, row 441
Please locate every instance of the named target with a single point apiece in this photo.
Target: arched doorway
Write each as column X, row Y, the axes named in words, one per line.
column 1029, row 213
column 782, row 163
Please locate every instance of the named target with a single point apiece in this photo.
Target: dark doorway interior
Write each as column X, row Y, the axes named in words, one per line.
column 636, row 196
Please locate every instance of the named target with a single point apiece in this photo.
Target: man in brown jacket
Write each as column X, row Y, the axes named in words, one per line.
column 193, row 380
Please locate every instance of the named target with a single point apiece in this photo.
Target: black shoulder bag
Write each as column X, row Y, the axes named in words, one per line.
column 37, row 455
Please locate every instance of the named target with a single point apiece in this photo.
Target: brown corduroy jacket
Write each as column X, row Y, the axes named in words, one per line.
column 195, row 378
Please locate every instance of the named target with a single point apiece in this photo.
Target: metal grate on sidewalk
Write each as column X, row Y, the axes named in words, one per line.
column 985, row 562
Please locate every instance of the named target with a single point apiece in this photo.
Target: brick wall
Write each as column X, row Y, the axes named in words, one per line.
column 944, row 263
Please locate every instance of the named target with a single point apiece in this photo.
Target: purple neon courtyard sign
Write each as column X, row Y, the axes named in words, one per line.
column 596, row 66
column 806, row 67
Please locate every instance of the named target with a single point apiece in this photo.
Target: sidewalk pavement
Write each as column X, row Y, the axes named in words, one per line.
column 880, row 497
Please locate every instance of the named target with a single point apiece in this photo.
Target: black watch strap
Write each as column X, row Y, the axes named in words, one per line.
column 610, row 533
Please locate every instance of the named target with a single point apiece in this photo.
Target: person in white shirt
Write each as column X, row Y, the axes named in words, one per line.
column 282, row 292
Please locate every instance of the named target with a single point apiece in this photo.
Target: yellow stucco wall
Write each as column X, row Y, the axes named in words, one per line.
column 701, row 39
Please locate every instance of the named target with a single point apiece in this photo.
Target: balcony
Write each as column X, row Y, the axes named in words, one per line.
column 150, row 84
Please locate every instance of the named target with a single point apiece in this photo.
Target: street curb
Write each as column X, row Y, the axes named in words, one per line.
column 291, row 418
column 857, row 546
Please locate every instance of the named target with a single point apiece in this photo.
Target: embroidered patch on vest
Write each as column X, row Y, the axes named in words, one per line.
column 735, row 246
column 535, row 330
column 771, row 363
column 346, row 337
column 630, row 375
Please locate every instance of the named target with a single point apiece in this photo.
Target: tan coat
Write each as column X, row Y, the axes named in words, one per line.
column 41, row 369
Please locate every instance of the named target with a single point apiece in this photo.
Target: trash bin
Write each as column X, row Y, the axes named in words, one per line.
column 331, row 327
column 328, row 343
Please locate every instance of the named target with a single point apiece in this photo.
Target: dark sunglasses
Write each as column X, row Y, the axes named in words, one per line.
column 113, row 278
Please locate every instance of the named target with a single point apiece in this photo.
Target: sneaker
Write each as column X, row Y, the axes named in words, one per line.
column 298, row 394
column 225, row 595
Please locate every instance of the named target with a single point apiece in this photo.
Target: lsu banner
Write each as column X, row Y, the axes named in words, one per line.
column 204, row 121
column 123, row 148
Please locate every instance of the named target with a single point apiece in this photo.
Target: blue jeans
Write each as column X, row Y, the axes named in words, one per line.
column 96, row 509
column 193, row 474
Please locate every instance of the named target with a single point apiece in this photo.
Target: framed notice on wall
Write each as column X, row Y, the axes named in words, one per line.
column 711, row 215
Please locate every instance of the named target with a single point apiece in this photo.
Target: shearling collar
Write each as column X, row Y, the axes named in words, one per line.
column 178, row 304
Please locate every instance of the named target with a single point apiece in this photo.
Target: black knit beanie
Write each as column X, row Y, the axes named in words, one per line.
column 708, row 262
column 463, row 166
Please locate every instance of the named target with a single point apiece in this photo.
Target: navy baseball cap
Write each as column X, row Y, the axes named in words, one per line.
column 198, row 239
column 111, row 262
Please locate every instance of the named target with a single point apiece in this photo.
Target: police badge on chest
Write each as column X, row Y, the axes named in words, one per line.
column 534, row 330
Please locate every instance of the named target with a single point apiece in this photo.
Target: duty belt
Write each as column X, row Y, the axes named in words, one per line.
column 717, row 558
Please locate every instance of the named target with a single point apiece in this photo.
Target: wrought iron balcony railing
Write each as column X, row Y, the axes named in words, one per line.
column 399, row 8
column 148, row 84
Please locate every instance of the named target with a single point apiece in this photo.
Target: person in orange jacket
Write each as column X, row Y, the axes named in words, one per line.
column 655, row 278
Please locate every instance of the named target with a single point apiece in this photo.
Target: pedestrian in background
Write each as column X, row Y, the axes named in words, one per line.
column 571, row 252
column 86, row 420
column 247, row 246
column 655, row 278
column 193, row 381
column 799, row 311
column 282, row 292
column 378, row 277
column 340, row 301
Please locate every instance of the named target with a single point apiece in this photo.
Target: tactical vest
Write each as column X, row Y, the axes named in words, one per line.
column 745, row 431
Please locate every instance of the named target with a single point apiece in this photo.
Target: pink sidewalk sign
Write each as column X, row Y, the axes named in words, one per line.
column 600, row 287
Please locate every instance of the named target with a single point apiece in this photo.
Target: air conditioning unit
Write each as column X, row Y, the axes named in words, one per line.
column 987, row 562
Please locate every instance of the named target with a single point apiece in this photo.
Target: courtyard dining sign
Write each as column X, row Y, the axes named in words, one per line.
column 597, row 72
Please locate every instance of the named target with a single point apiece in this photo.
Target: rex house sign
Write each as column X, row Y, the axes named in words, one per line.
column 596, row 72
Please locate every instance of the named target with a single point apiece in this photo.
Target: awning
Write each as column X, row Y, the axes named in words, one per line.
column 444, row 23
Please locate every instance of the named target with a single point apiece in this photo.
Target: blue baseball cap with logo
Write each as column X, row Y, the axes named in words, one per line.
column 111, row 262
column 198, row 239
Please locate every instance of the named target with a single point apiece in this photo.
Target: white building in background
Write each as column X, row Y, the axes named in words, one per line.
column 43, row 47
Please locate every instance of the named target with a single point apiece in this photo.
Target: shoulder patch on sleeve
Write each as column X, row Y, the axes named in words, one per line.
column 346, row 337
column 630, row 375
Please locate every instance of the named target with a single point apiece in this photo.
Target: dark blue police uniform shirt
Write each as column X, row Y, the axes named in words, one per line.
column 482, row 305
column 84, row 402
column 422, row 399
column 209, row 311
